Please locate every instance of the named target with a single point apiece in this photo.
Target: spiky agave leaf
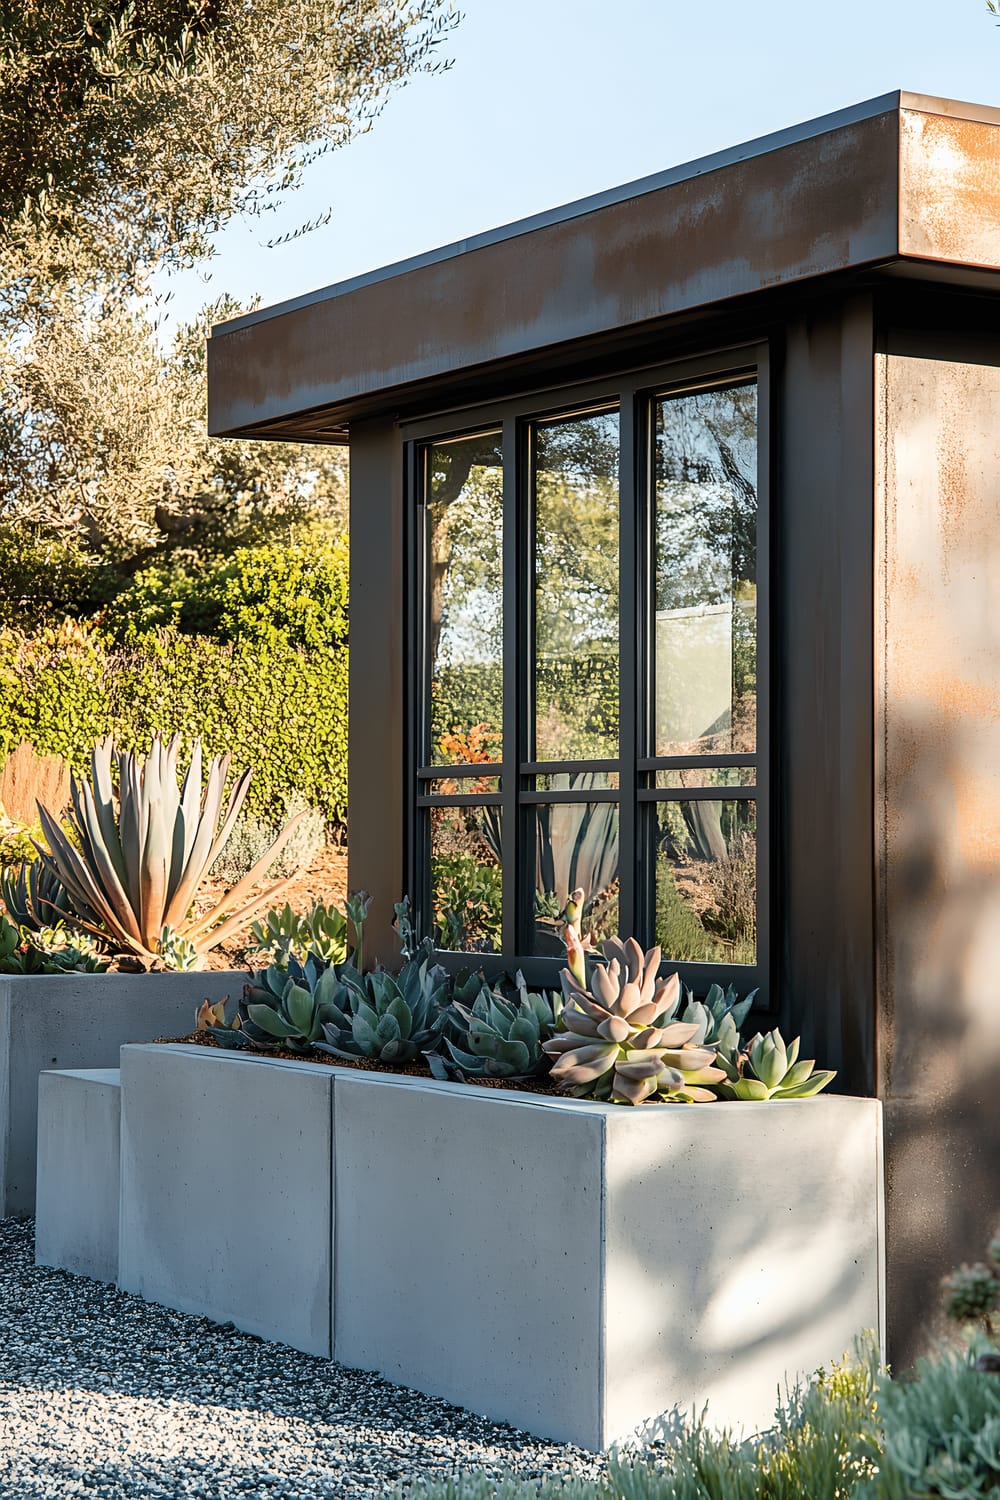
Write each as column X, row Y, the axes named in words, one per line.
column 35, row 898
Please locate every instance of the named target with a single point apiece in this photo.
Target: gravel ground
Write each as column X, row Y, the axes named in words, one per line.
column 106, row 1396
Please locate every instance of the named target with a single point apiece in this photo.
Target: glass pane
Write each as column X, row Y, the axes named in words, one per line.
column 466, row 878
column 462, row 786
column 706, row 881
column 706, row 572
column 576, row 844
column 576, row 589
column 692, row 776
column 465, row 600
column 564, row 781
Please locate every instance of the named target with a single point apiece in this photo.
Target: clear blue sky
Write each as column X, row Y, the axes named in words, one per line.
column 549, row 100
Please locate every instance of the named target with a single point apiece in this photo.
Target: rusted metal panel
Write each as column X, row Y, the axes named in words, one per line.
column 938, row 588
column 949, row 190
column 808, row 209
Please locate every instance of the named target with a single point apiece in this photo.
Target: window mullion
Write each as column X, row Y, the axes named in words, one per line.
column 514, row 632
column 767, row 839
column 629, row 648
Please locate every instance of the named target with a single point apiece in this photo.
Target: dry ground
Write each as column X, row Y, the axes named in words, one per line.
column 325, row 880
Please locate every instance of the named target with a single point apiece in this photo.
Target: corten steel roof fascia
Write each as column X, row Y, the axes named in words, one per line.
column 851, row 190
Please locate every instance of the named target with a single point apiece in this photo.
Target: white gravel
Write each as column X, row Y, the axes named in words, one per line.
column 106, row 1396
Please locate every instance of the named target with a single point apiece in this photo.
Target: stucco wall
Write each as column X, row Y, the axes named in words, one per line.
column 938, row 834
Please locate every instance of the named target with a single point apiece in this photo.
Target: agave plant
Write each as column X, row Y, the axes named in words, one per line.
column 390, row 1017
column 321, row 931
column 619, row 1042
column 769, row 1069
column 135, row 859
column 499, row 1038
column 35, row 898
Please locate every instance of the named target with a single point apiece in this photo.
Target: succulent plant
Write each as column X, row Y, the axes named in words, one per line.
column 390, row 1017
column 227, row 1030
column 768, row 1068
column 971, row 1294
column 52, row 951
column 288, row 1008
column 35, row 898
column 497, row 1037
column 134, row 861
column 718, row 1017
column 67, row 950
column 321, row 931
column 619, row 1043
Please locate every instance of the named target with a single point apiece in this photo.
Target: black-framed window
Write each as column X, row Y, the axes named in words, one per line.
column 590, row 643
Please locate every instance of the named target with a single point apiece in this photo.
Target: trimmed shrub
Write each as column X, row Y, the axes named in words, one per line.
column 248, row 652
column 274, row 707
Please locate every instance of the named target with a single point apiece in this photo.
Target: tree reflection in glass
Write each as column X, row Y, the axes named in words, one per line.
column 575, row 484
column 464, row 588
column 706, row 572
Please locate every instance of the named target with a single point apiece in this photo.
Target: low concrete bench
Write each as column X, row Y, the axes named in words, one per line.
column 76, row 1201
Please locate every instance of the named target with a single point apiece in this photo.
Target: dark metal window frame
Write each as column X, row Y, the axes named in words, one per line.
column 634, row 392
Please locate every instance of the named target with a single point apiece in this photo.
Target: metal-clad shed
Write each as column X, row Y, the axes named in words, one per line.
column 774, row 374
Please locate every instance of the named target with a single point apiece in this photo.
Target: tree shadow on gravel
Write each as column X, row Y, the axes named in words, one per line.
column 108, row 1396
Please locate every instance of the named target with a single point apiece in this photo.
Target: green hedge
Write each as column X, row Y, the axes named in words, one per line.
column 275, row 708
column 264, row 677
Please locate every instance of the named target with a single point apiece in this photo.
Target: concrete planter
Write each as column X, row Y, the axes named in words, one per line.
column 76, row 1204
column 577, row 1269
column 78, row 1021
column 571, row 1268
column 227, row 1189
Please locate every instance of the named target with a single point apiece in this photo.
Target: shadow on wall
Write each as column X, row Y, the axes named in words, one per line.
column 940, row 1013
column 773, row 1270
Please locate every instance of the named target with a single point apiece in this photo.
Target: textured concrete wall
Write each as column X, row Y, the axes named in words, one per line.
column 938, row 835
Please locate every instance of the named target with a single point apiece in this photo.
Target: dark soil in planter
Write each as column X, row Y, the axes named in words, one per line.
column 364, row 1064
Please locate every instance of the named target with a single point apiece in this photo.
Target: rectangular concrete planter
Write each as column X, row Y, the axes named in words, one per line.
column 76, row 1203
column 571, row 1268
column 577, row 1269
column 227, row 1189
column 79, row 1021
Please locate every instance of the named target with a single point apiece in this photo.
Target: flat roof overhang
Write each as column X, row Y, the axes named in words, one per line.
column 903, row 182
